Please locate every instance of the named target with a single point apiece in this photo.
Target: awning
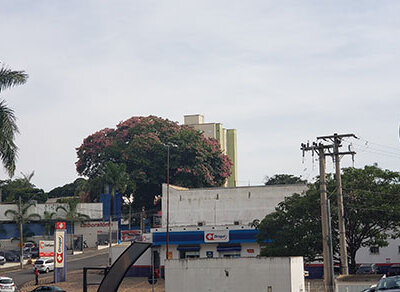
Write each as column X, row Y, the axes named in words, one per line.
column 188, row 248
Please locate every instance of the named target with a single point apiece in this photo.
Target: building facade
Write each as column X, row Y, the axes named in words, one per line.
column 216, row 222
column 227, row 138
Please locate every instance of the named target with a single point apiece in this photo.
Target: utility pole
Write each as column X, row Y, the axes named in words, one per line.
column 21, row 233
column 337, row 140
column 167, row 243
column 326, row 236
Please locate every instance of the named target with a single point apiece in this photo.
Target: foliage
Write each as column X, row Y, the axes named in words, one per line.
column 8, row 126
column 372, row 215
column 22, row 187
column 21, row 215
column 72, row 215
column 48, row 221
column 284, row 179
column 139, row 143
column 68, row 190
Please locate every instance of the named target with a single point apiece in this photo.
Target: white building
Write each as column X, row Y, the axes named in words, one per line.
column 216, row 222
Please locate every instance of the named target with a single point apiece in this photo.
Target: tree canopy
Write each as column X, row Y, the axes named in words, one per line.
column 372, row 215
column 140, row 143
column 12, row 189
column 284, row 179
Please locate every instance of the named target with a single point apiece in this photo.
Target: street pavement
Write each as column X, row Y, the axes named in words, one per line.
column 91, row 257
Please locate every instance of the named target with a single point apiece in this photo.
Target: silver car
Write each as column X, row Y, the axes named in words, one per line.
column 7, row 284
column 44, row 265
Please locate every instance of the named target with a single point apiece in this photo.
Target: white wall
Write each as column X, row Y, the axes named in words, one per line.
column 93, row 210
column 223, row 206
column 235, row 275
column 90, row 229
column 389, row 254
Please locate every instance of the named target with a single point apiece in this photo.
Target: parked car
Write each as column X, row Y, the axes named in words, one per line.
column 47, row 288
column 29, row 244
column 2, row 260
column 17, row 252
column 44, row 265
column 7, row 284
column 393, row 270
column 9, row 256
column 371, row 289
column 389, row 284
column 367, row 269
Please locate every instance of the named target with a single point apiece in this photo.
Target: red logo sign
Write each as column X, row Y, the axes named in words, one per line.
column 42, row 245
column 60, row 225
column 60, row 258
column 210, row 236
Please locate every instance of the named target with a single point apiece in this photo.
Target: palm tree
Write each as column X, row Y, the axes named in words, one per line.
column 48, row 221
column 8, row 126
column 115, row 175
column 72, row 215
column 21, row 217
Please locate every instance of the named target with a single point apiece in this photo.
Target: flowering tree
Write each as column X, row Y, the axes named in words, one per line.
column 140, row 144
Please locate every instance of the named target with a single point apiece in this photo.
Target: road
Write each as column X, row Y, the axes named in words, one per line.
column 73, row 263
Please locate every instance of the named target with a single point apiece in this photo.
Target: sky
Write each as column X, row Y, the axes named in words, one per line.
column 280, row 72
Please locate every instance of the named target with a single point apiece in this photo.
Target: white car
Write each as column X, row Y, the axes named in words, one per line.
column 2, row 260
column 7, row 284
column 44, row 265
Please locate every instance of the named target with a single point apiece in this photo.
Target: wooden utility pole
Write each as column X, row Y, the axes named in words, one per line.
column 326, row 236
column 337, row 140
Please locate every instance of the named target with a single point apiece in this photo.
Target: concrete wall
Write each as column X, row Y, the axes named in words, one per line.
column 223, row 206
column 235, row 275
column 93, row 210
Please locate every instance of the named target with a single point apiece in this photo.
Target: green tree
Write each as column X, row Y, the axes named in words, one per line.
column 140, row 144
column 284, row 179
column 372, row 215
column 8, row 126
column 21, row 216
column 72, row 215
column 22, row 187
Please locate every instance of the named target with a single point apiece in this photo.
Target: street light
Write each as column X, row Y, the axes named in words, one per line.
column 168, row 145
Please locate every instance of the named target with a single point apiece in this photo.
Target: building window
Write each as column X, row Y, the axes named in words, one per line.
column 374, row 249
column 399, row 249
column 189, row 254
column 229, row 254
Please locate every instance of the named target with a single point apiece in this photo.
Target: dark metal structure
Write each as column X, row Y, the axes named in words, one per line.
column 116, row 273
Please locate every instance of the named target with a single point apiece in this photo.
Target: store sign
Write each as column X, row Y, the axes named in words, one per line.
column 46, row 248
column 60, row 249
column 132, row 235
column 216, row 236
column 61, row 225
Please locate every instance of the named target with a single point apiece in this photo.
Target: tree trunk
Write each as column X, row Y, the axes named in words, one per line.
column 352, row 264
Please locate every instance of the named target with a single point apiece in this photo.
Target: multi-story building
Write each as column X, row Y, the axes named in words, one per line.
column 227, row 138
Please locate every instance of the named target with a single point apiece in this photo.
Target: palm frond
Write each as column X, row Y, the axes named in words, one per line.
column 33, row 216
column 8, row 130
column 62, row 208
column 27, row 205
column 10, row 78
column 12, row 212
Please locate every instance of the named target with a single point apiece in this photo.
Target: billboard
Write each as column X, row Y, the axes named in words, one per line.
column 46, row 248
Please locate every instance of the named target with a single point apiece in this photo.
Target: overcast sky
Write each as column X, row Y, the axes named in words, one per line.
column 280, row 72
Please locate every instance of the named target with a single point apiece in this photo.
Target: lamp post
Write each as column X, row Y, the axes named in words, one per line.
column 168, row 145
column 167, row 245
